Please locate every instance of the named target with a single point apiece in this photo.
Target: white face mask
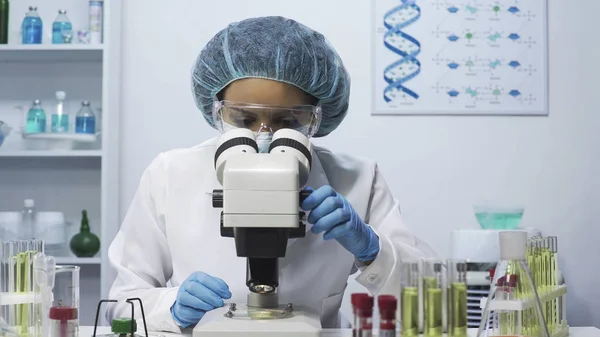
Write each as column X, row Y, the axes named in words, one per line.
column 264, row 140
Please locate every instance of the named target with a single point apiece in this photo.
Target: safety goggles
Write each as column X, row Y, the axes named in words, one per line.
column 259, row 118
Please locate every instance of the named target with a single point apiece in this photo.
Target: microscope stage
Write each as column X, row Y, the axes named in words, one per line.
column 245, row 323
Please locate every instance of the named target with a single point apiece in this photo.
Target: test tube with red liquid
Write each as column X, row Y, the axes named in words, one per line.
column 363, row 315
column 353, row 299
column 387, row 315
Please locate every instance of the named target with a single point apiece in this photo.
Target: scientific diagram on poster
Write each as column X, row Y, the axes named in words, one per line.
column 444, row 57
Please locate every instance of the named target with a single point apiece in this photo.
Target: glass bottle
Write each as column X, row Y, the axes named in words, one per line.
column 32, row 27
column 513, row 304
column 85, row 121
column 85, row 243
column 36, row 118
column 4, row 16
column 62, row 29
column 60, row 118
column 27, row 231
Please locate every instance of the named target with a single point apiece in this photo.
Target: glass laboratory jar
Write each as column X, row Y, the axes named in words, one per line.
column 64, row 313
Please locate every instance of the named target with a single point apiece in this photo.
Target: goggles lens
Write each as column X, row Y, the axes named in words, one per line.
column 228, row 115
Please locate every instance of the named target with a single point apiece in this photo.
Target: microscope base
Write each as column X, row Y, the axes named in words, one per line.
column 215, row 323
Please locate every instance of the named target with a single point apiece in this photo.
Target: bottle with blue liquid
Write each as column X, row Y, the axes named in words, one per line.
column 85, row 120
column 36, row 118
column 62, row 29
column 32, row 27
column 60, row 117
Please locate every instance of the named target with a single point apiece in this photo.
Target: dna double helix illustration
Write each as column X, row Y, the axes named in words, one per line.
column 405, row 46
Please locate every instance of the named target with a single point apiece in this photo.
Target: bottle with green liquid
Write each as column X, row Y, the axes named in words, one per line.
column 85, row 243
column 4, row 14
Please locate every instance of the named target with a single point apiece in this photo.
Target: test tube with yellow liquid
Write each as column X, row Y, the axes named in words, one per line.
column 457, row 298
column 410, row 290
column 433, row 298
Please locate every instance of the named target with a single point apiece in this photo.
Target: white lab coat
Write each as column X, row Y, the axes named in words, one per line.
column 171, row 230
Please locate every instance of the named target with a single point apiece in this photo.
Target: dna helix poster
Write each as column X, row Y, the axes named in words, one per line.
column 477, row 57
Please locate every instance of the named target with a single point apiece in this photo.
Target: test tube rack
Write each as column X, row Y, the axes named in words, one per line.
column 556, row 292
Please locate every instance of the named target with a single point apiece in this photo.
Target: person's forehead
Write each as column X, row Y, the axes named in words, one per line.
column 265, row 92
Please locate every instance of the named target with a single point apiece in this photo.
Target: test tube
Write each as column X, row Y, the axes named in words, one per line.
column 364, row 316
column 354, row 298
column 409, row 299
column 387, row 315
column 433, row 305
column 457, row 297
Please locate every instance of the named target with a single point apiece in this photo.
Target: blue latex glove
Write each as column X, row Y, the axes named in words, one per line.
column 198, row 294
column 331, row 213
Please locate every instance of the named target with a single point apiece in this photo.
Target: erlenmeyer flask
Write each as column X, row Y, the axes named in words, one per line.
column 513, row 306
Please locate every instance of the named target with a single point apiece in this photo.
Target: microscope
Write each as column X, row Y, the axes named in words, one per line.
column 260, row 203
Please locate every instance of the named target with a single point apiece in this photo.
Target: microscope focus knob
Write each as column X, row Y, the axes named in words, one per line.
column 217, row 198
column 304, row 194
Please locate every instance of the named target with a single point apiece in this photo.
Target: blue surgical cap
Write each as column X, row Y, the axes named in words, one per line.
column 279, row 49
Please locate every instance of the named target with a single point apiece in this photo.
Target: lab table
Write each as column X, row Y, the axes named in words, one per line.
column 87, row 331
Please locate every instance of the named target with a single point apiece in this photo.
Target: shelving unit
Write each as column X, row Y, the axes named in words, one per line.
column 65, row 180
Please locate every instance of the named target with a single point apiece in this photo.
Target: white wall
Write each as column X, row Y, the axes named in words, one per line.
column 437, row 167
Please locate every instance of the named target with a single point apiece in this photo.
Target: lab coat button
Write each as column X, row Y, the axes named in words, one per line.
column 372, row 278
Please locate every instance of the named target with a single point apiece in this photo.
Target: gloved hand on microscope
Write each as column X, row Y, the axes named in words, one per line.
column 198, row 294
column 332, row 214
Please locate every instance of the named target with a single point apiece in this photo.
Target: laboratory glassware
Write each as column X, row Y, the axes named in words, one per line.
column 513, row 306
column 410, row 298
column 85, row 243
column 363, row 316
column 96, row 21
column 433, row 298
column 36, row 118
column 85, row 120
column 387, row 315
column 27, row 230
column 64, row 313
column 354, row 299
column 60, row 117
column 62, row 29
column 457, row 298
column 4, row 17
column 18, row 304
column 498, row 217
column 4, row 131
column 32, row 27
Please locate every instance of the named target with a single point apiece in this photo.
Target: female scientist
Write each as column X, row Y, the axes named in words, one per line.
column 262, row 74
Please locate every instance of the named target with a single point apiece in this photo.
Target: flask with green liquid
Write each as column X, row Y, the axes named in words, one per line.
column 4, row 14
column 85, row 243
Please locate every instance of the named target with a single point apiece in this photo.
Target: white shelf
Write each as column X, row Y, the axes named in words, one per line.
column 78, row 260
column 51, row 53
column 51, row 153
